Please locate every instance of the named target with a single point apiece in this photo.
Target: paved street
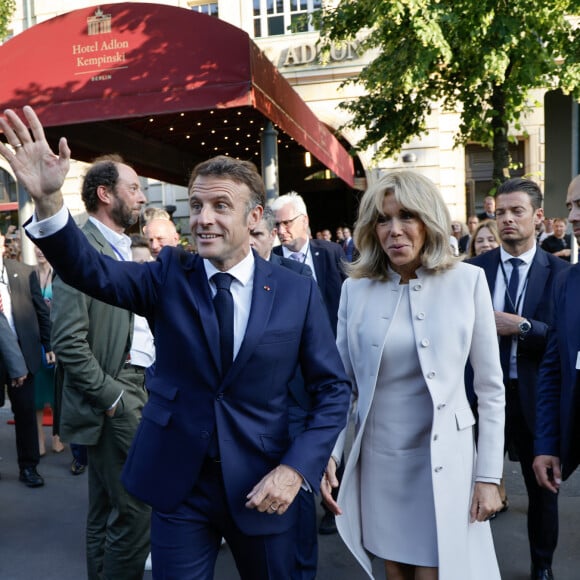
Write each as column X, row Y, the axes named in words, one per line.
column 42, row 530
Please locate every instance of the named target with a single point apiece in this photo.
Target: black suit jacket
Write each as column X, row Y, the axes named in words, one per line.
column 295, row 266
column 296, row 385
column 30, row 313
column 463, row 243
column 328, row 259
column 537, row 308
column 31, row 317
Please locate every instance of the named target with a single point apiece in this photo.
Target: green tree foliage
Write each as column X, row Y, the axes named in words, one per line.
column 7, row 8
column 479, row 57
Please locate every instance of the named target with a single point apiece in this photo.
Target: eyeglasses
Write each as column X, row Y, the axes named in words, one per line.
column 288, row 223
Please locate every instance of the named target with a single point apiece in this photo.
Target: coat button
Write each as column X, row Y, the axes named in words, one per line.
column 438, row 469
column 435, row 437
column 205, row 434
column 431, row 374
column 219, row 397
column 425, row 342
column 421, row 316
column 441, row 406
column 417, row 287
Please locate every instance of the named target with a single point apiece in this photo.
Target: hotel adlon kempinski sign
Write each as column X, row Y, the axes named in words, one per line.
column 309, row 54
column 99, row 56
column 102, row 54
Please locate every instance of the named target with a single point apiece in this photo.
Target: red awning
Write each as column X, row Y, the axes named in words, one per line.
column 164, row 86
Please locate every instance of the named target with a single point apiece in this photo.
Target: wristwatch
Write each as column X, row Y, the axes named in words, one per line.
column 524, row 327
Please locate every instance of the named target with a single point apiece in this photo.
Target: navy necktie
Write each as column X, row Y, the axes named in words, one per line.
column 510, row 305
column 224, row 306
column 511, row 296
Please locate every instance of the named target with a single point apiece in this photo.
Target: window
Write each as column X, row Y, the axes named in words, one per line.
column 277, row 17
column 209, row 8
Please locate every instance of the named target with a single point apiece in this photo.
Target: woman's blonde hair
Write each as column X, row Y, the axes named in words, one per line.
column 418, row 195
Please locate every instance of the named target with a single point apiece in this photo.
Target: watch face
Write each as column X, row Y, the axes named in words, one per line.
column 525, row 326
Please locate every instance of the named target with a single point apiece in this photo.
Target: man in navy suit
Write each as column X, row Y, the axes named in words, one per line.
column 212, row 454
column 325, row 259
column 262, row 239
column 523, row 316
column 557, row 444
column 350, row 252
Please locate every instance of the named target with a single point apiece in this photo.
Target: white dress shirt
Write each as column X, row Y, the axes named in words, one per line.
column 241, row 289
column 500, row 291
column 306, row 250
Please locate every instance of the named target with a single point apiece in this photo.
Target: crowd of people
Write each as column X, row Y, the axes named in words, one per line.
column 209, row 393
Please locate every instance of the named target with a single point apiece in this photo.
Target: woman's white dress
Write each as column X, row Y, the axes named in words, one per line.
column 398, row 513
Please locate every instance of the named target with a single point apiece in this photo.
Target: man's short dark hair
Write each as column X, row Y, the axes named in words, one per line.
column 104, row 171
column 269, row 218
column 527, row 186
column 239, row 171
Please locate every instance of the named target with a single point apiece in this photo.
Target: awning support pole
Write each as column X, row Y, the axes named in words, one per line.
column 269, row 152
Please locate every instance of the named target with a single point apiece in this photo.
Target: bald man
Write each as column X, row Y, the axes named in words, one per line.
column 160, row 232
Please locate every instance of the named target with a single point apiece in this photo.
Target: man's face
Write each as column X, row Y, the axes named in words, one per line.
column 219, row 220
column 160, row 233
column 339, row 235
column 573, row 205
column 559, row 229
column 517, row 219
column 292, row 227
column 127, row 198
column 326, row 235
column 262, row 240
column 346, row 233
column 489, row 204
column 472, row 224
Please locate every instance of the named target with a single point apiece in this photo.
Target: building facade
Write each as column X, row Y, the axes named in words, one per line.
column 282, row 30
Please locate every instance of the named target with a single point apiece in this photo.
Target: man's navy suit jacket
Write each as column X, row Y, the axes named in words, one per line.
column 188, row 400
column 295, row 266
column 558, row 417
column 537, row 308
column 328, row 259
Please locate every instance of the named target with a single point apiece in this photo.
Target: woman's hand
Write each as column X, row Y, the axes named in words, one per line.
column 486, row 501
column 330, row 482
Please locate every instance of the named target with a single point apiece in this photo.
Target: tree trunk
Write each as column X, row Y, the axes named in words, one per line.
column 500, row 151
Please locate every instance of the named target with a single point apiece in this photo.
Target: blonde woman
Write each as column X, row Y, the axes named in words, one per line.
column 414, row 492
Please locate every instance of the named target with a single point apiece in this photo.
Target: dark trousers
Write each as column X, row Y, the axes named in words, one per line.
column 22, row 402
column 79, row 453
column 542, row 504
column 185, row 543
column 306, row 539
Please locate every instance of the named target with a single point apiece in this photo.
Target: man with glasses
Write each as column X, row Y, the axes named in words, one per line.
column 326, row 260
